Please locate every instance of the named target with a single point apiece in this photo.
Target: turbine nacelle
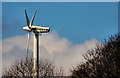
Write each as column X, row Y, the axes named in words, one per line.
column 38, row 29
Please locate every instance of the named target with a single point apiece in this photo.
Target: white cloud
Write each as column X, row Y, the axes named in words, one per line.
column 61, row 50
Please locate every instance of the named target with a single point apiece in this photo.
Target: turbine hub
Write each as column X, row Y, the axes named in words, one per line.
column 26, row 28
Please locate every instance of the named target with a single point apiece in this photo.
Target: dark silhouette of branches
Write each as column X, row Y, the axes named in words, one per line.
column 25, row 69
column 103, row 61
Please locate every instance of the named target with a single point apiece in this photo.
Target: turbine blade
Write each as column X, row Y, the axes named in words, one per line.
column 27, row 18
column 27, row 46
column 33, row 18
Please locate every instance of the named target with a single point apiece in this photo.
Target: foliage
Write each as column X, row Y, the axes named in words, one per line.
column 103, row 61
column 25, row 69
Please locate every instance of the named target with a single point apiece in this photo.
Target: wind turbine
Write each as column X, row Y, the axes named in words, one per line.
column 36, row 31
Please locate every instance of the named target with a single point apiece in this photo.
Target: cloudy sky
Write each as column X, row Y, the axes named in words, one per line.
column 75, row 28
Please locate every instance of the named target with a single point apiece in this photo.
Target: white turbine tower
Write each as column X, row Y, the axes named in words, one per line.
column 36, row 31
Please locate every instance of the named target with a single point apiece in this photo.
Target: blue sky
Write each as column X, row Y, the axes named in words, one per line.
column 77, row 21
